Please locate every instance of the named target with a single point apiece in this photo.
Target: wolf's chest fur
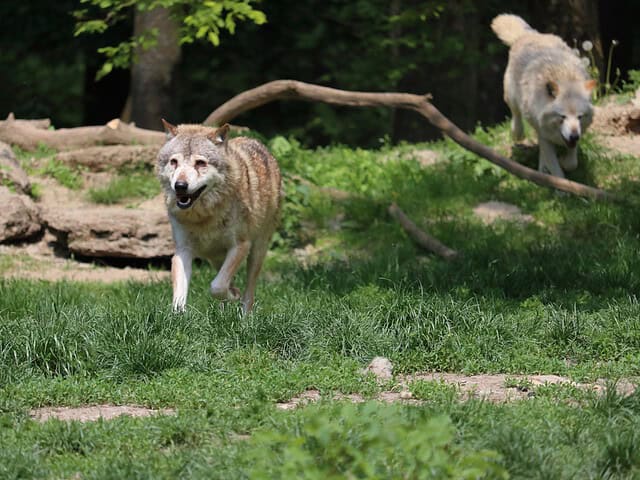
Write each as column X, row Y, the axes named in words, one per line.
column 211, row 226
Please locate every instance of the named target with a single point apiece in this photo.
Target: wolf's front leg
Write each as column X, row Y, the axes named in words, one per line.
column 548, row 159
column 180, row 277
column 517, row 127
column 570, row 161
column 221, row 285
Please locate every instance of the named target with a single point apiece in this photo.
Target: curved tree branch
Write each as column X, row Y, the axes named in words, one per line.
column 295, row 90
column 422, row 238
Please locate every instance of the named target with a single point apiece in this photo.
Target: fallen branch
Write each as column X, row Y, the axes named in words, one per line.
column 42, row 123
column 29, row 136
column 423, row 239
column 294, row 90
column 100, row 159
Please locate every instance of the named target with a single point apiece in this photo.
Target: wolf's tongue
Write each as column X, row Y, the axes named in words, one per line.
column 184, row 201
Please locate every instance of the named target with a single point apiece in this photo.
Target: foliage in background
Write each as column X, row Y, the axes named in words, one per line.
column 445, row 48
column 198, row 20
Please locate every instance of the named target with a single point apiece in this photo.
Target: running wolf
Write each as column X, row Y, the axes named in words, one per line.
column 223, row 197
column 546, row 83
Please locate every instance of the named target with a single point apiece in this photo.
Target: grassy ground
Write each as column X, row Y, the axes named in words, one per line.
column 554, row 296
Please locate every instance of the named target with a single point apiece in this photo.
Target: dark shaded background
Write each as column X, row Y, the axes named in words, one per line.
column 445, row 48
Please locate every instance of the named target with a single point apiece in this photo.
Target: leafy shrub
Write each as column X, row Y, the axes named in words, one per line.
column 369, row 441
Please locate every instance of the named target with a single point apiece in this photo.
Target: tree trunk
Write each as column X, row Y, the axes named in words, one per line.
column 152, row 72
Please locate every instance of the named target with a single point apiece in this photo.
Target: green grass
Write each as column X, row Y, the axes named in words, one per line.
column 42, row 162
column 134, row 185
column 66, row 176
column 556, row 296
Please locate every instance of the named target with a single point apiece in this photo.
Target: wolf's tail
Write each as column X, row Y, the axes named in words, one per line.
column 510, row 28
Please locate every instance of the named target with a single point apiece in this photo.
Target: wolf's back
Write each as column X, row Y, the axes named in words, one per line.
column 261, row 182
column 510, row 28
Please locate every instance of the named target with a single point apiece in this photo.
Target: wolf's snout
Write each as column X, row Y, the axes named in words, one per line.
column 573, row 140
column 181, row 187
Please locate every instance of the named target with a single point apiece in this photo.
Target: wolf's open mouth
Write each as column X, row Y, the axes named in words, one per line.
column 185, row 201
column 571, row 143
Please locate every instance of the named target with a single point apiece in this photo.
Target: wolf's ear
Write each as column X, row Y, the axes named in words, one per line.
column 590, row 85
column 171, row 130
column 552, row 89
column 219, row 136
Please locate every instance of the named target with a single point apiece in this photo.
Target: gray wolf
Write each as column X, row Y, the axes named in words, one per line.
column 223, row 196
column 546, row 83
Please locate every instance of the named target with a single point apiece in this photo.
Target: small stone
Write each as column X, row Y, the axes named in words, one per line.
column 381, row 367
column 406, row 395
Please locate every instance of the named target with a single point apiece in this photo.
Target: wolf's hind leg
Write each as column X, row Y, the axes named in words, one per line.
column 517, row 127
column 254, row 264
column 221, row 285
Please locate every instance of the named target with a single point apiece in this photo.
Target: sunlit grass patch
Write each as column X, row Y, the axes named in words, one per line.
column 133, row 186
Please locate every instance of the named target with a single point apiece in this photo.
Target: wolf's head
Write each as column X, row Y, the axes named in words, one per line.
column 569, row 111
column 192, row 161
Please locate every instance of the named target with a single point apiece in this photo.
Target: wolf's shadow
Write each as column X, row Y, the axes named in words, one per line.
column 527, row 154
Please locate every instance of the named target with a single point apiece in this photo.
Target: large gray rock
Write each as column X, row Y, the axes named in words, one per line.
column 19, row 216
column 111, row 232
column 11, row 174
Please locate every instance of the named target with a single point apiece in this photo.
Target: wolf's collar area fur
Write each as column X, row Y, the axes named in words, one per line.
column 184, row 200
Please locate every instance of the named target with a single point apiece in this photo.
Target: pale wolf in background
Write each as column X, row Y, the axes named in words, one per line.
column 223, row 197
column 546, row 83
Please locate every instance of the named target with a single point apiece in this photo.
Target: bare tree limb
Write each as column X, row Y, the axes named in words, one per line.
column 28, row 136
column 101, row 159
column 423, row 239
column 294, row 90
column 42, row 123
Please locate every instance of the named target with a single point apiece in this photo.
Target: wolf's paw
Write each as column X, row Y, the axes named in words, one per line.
column 179, row 305
column 234, row 293
column 225, row 293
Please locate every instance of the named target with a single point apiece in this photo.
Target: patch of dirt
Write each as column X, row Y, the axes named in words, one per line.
column 617, row 125
column 423, row 156
column 92, row 413
column 37, row 261
column 616, row 118
column 498, row 388
column 490, row 212
column 625, row 144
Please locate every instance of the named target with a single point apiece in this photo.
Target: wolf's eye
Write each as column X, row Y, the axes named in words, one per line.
column 200, row 163
column 563, row 117
column 173, row 162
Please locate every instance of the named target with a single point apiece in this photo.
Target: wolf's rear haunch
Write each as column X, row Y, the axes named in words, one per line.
column 223, row 197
